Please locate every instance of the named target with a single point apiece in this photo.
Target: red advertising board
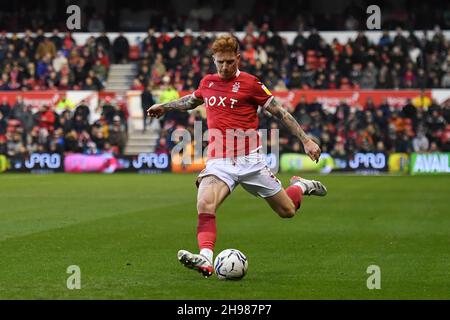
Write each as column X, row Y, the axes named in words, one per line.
column 331, row 98
column 328, row 98
column 33, row 98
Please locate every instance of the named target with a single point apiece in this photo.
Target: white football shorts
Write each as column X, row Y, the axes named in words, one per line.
column 251, row 171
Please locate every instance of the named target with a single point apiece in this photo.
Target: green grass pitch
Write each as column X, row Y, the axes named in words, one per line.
column 124, row 231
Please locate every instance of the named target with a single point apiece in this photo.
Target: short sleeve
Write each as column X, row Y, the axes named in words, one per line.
column 261, row 95
column 197, row 94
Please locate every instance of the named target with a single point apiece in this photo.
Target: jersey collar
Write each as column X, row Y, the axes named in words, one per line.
column 238, row 72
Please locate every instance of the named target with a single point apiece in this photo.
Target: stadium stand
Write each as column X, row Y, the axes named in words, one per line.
column 35, row 60
column 23, row 132
column 38, row 62
column 399, row 62
column 309, row 62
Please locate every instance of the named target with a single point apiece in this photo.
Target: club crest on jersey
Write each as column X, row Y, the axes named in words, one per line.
column 235, row 87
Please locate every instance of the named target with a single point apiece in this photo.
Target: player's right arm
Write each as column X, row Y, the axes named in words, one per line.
column 185, row 103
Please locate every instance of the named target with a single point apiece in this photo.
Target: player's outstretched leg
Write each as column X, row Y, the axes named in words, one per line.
column 197, row 262
column 287, row 202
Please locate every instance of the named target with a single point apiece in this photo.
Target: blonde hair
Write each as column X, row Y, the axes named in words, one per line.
column 225, row 43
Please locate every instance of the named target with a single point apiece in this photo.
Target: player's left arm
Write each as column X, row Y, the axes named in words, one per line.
column 288, row 121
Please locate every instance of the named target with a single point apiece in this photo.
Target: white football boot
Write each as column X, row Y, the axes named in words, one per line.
column 311, row 187
column 197, row 262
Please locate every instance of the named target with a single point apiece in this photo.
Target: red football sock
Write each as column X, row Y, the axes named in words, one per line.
column 295, row 193
column 206, row 231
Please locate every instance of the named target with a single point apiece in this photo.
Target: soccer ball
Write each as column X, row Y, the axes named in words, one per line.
column 230, row 264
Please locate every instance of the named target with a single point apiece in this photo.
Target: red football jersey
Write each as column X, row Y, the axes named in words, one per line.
column 231, row 113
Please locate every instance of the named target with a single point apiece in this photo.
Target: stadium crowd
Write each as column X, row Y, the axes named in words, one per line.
column 399, row 62
column 178, row 61
column 36, row 62
column 415, row 127
column 23, row 131
column 403, row 61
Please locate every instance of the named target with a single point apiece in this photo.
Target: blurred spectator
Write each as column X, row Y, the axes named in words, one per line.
column 445, row 83
column 169, row 93
column 5, row 108
column 100, row 70
column 3, row 125
column 65, row 104
column 83, row 111
column 422, row 101
column 59, row 61
column 137, row 85
column 56, row 39
column 121, row 108
column 369, row 76
column 146, row 102
column 120, row 49
column 409, row 111
column 46, row 47
column 117, row 137
column 158, row 68
column 103, row 42
column 162, row 146
column 280, row 86
column 420, row 142
column 108, row 111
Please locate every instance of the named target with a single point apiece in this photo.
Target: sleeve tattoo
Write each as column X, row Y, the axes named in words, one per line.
column 183, row 104
column 287, row 120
